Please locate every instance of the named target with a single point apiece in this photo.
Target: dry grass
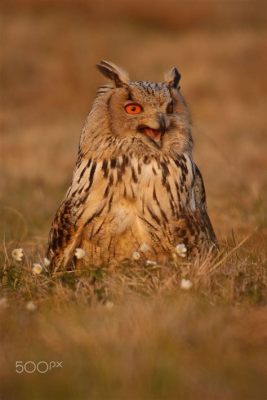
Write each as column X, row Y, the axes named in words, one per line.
column 133, row 333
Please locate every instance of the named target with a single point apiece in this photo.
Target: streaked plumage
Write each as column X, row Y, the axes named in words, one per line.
column 135, row 181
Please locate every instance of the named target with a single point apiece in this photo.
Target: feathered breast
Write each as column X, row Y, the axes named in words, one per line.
column 159, row 186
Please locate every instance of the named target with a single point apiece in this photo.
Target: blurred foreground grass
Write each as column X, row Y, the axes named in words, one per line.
column 133, row 333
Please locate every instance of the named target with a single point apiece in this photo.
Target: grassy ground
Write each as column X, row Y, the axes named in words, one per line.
column 133, row 332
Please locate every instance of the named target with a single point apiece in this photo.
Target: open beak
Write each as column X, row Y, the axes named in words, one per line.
column 155, row 135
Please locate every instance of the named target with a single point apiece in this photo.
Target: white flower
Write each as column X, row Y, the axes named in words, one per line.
column 181, row 250
column 37, row 269
column 144, row 247
column 79, row 253
column 46, row 262
column 17, row 254
column 31, row 306
column 136, row 256
column 186, row 284
column 150, row 262
column 109, row 305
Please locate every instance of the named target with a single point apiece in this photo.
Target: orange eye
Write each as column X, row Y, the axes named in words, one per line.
column 133, row 108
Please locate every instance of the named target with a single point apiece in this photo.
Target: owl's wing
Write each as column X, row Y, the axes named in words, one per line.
column 64, row 236
column 200, row 204
column 67, row 227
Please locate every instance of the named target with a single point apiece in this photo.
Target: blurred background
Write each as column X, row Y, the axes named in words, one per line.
column 48, row 81
column 157, row 341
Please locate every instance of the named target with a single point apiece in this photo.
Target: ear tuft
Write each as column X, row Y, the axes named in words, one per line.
column 114, row 73
column 172, row 78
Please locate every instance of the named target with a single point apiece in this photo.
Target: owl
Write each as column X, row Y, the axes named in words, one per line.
column 135, row 188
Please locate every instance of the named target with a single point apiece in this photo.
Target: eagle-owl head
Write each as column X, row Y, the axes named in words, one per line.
column 152, row 115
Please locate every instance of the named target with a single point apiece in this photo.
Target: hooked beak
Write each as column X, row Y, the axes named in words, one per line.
column 162, row 123
column 155, row 135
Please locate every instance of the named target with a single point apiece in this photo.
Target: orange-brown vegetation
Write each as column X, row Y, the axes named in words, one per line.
column 133, row 333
